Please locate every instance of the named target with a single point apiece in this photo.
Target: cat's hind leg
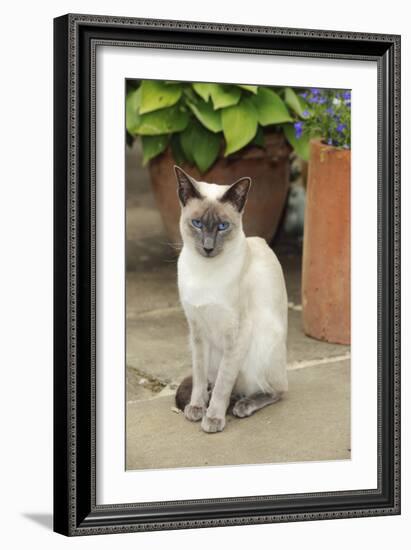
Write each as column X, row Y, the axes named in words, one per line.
column 246, row 406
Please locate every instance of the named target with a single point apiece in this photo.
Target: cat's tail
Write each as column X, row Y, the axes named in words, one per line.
column 183, row 393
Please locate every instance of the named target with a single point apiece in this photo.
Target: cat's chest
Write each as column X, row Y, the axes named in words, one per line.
column 205, row 294
column 213, row 320
column 206, row 288
column 212, row 308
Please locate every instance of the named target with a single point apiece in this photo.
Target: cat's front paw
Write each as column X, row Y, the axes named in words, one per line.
column 213, row 424
column 194, row 413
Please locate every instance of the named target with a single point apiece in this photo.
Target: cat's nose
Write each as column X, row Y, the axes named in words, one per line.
column 208, row 244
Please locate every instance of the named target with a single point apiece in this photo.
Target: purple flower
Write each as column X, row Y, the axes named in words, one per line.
column 315, row 91
column 313, row 99
column 330, row 111
column 306, row 113
column 348, row 103
column 303, row 94
column 341, row 127
column 322, row 100
column 346, row 95
column 298, row 127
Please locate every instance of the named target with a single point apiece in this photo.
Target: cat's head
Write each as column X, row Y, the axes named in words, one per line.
column 211, row 215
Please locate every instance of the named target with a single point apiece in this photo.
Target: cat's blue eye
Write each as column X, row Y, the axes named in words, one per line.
column 222, row 226
column 197, row 223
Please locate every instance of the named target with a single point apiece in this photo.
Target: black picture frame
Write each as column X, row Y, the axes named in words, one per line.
column 75, row 40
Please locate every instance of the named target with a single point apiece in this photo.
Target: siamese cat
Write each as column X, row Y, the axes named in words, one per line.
column 233, row 294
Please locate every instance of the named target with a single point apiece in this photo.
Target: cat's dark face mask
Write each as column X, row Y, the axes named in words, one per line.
column 210, row 224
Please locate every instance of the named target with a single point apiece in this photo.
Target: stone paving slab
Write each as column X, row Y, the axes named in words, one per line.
column 303, row 348
column 157, row 345
column 311, row 423
column 138, row 387
column 151, row 290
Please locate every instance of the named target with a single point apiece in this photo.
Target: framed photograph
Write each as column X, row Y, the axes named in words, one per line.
column 227, row 274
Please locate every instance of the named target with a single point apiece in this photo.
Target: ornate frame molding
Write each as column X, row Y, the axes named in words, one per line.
column 76, row 40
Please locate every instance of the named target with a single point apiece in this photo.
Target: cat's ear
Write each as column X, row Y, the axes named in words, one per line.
column 237, row 193
column 186, row 186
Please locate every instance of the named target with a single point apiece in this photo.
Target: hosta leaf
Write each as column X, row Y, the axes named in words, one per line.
column 177, row 150
column 206, row 115
column 133, row 118
column 206, row 148
column 200, row 146
column 249, row 88
column 203, row 90
column 222, row 95
column 259, row 138
column 301, row 146
column 166, row 121
column 240, row 124
column 189, row 93
column 153, row 146
column 270, row 107
column 225, row 96
column 186, row 142
column 295, row 102
column 156, row 95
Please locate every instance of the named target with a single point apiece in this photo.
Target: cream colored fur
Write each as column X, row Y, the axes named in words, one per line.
column 236, row 308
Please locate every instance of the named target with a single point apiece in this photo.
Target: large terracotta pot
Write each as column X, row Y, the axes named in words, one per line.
column 268, row 169
column 326, row 249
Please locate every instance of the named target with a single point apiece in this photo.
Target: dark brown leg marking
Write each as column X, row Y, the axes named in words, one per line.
column 246, row 406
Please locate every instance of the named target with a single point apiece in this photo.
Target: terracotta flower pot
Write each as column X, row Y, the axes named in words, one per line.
column 268, row 169
column 326, row 249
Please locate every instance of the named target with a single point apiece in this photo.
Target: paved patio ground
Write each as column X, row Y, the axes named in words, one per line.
column 311, row 423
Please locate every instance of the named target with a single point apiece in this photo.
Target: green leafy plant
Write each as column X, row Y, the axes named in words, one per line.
column 201, row 121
